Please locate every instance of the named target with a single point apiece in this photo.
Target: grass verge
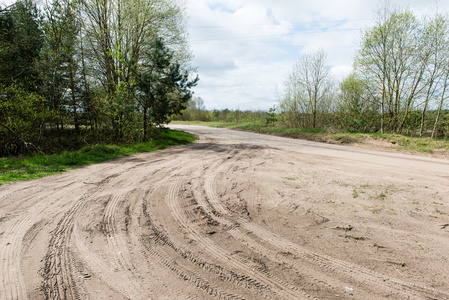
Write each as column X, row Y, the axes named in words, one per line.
column 38, row 166
column 391, row 140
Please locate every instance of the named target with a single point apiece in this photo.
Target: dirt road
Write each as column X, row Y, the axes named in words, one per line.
column 234, row 216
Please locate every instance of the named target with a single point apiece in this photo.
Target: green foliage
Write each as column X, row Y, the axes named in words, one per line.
column 22, row 114
column 14, row 168
column 271, row 116
column 163, row 89
column 196, row 110
column 403, row 62
column 354, row 112
column 83, row 72
column 20, row 43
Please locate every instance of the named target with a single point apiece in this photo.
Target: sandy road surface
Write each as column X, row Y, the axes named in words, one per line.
column 234, row 216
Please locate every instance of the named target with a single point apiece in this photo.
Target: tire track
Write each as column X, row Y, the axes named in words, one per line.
column 237, row 232
column 99, row 266
column 114, row 240
column 157, row 237
column 58, row 282
column 13, row 285
column 325, row 262
column 118, row 247
column 281, row 288
column 191, row 277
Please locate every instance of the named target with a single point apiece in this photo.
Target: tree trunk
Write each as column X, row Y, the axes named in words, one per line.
column 145, row 121
column 440, row 107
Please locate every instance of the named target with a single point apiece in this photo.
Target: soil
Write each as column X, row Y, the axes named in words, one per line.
column 236, row 215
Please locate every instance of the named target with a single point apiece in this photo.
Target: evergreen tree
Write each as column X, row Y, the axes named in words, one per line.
column 163, row 89
column 20, row 43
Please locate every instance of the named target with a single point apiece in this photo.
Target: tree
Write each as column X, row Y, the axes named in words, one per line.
column 163, row 89
column 401, row 59
column 21, row 115
column 308, row 90
column 20, row 43
column 355, row 106
column 436, row 73
column 59, row 62
column 90, row 62
column 120, row 34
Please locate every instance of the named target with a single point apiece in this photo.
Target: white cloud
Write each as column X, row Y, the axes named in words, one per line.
column 244, row 49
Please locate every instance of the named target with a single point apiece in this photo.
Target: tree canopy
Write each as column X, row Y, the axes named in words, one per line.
column 399, row 82
column 90, row 71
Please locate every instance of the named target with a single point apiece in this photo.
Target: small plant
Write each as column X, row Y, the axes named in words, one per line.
column 357, row 238
column 355, row 194
column 382, row 196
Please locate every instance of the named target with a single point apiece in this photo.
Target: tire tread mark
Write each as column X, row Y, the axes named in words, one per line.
column 57, row 280
column 282, row 288
column 98, row 265
column 116, row 243
column 324, row 261
column 158, row 237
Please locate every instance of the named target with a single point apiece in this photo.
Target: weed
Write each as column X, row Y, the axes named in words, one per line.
column 357, row 238
column 354, row 193
column 421, row 247
column 415, row 202
column 382, row 196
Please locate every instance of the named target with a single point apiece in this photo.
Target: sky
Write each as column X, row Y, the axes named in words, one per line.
column 244, row 49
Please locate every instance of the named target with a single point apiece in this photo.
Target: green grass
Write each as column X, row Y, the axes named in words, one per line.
column 38, row 166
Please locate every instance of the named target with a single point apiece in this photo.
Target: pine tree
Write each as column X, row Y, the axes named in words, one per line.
column 163, row 89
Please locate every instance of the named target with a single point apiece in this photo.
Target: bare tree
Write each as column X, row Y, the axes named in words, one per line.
column 308, row 89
